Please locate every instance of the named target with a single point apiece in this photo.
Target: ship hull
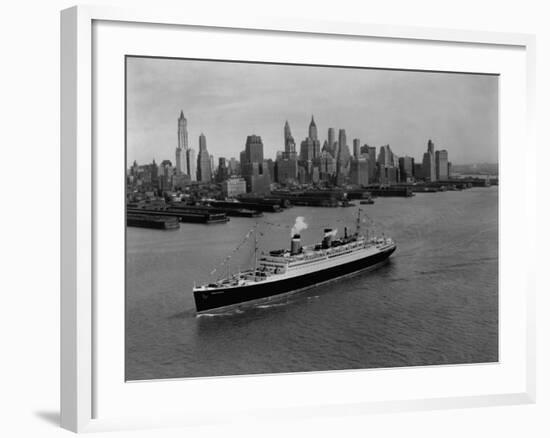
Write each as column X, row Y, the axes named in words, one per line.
column 217, row 299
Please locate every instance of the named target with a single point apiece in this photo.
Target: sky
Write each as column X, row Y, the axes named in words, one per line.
column 227, row 101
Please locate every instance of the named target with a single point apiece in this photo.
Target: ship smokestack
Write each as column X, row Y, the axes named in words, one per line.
column 295, row 245
column 327, row 239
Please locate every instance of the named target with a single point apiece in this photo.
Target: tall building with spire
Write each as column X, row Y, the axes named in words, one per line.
column 204, row 170
column 290, row 145
column 287, row 133
column 310, row 155
column 286, row 164
column 313, row 135
column 183, row 145
column 312, row 130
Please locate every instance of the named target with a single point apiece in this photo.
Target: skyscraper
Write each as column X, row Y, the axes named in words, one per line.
column 269, row 164
column 418, row 171
column 316, row 144
column 406, row 169
column 182, row 132
column 212, row 167
column 341, row 141
column 385, row 157
column 371, row 151
column 165, row 175
column 359, row 171
column 181, row 150
column 426, row 167
column 356, row 148
column 254, row 149
column 327, row 166
column 430, row 146
column 232, row 166
column 286, row 169
column 312, row 129
column 254, row 169
column 307, row 150
column 290, row 145
column 191, row 164
column 331, row 141
column 204, row 170
column 342, row 158
column 223, row 171
column 442, row 165
column 316, row 150
column 386, row 163
column 178, row 162
column 287, row 132
column 428, row 163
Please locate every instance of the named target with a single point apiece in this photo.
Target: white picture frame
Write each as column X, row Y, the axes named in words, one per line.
column 79, row 202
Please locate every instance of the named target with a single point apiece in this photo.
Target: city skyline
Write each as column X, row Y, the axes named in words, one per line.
column 229, row 101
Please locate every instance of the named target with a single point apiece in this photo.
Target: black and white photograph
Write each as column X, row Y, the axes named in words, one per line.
column 290, row 218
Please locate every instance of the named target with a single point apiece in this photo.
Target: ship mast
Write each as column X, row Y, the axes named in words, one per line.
column 255, row 249
column 358, row 223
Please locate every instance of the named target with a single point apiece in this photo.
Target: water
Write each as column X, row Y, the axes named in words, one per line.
column 436, row 302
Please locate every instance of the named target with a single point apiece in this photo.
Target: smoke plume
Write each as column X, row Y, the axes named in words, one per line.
column 299, row 226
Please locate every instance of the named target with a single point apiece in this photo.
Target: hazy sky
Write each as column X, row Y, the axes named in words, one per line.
column 228, row 101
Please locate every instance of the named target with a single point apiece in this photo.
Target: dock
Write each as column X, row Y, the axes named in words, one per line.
column 397, row 191
column 209, row 209
column 311, row 198
column 363, row 195
column 182, row 216
column 266, row 207
column 150, row 221
column 273, row 200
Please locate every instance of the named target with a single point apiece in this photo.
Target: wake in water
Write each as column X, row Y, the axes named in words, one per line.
column 268, row 306
column 214, row 314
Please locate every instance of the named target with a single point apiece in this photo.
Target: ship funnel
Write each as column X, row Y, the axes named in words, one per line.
column 327, row 239
column 295, row 245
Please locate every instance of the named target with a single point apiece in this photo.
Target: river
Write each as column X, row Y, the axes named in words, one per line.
column 436, row 302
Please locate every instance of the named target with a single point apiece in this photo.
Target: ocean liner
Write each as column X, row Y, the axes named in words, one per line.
column 286, row 271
